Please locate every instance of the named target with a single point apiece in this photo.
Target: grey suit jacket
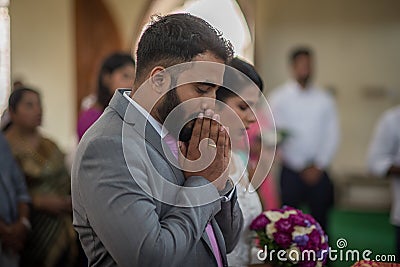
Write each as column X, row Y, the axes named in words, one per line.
column 120, row 221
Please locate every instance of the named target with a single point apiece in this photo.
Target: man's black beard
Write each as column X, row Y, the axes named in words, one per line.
column 170, row 102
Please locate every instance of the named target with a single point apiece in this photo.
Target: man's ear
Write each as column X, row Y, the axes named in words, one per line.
column 159, row 79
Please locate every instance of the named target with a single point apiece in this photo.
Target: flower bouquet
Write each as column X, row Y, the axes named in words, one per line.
column 288, row 237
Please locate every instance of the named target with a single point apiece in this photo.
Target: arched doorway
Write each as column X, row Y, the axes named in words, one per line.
column 236, row 23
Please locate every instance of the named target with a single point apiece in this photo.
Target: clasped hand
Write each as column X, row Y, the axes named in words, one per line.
column 210, row 143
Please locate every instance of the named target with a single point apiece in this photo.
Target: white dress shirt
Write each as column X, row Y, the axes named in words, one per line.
column 162, row 131
column 384, row 151
column 309, row 115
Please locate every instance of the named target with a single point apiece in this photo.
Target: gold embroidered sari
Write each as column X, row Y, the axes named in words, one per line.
column 52, row 239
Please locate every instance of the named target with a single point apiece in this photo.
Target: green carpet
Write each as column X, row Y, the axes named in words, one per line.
column 362, row 230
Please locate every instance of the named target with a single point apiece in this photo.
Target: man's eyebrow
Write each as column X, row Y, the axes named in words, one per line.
column 209, row 84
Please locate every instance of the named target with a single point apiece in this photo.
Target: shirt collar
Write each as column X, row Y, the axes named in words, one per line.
column 162, row 131
column 297, row 87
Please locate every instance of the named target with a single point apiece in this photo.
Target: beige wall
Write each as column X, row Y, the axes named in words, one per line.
column 357, row 46
column 42, row 54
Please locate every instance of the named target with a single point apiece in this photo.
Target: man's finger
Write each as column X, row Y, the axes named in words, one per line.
column 182, row 153
column 205, row 128
column 227, row 147
column 195, row 139
column 214, row 128
column 221, row 142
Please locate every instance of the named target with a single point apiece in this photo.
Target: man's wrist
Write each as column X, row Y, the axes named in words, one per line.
column 229, row 191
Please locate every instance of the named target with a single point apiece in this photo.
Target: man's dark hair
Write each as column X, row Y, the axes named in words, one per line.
column 234, row 83
column 178, row 38
column 299, row 51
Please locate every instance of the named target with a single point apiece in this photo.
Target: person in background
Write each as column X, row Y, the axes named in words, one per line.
column 309, row 116
column 14, row 208
column 384, row 161
column 117, row 71
column 52, row 239
column 5, row 117
column 241, row 98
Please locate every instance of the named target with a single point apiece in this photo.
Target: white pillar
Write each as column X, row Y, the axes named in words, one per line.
column 4, row 54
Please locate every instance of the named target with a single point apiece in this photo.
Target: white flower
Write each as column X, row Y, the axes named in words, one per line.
column 288, row 212
column 273, row 216
column 270, row 230
column 301, row 230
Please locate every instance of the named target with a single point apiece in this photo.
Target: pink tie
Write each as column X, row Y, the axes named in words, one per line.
column 214, row 244
column 171, row 142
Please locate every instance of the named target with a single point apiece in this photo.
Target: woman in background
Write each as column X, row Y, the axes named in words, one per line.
column 52, row 239
column 117, row 71
column 243, row 254
column 257, row 134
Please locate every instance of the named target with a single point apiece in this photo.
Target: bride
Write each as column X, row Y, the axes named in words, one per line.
column 244, row 253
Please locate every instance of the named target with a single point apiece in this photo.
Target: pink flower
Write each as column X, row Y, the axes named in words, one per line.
column 284, row 225
column 297, row 220
column 307, row 264
column 315, row 237
column 314, row 241
column 259, row 223
column 283, row 239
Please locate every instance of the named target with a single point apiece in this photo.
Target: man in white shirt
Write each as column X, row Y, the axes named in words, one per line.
column 309, row 116
column 384, row 160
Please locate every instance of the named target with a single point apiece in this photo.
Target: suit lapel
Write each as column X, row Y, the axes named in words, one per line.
column 140, row 124
column 155, row 140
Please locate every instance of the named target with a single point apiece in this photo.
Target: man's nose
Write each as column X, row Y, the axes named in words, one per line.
column 208, row 103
